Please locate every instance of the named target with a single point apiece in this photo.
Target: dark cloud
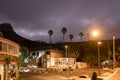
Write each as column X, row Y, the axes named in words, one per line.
column 33, row 18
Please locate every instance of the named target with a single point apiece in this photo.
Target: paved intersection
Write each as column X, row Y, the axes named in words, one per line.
column 54, row 75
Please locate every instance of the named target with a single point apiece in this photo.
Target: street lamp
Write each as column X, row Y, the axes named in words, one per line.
column 99, row 57
column 114, row 60
column 95, row 34
column 66, row 50
column 67, row 59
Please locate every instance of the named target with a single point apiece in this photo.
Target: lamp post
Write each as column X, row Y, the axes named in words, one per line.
column 95, row 34
column 114, row 60
column 67, row 59
column 66, row 50
column 99, row 57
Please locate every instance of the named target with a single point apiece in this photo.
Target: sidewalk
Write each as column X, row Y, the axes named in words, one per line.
column 114, row 75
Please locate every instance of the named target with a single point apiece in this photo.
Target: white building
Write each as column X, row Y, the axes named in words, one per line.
column 53, row 59
column 8, row 58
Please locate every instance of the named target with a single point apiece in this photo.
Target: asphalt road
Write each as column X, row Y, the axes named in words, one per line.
column 44, row 76
column 54, row 75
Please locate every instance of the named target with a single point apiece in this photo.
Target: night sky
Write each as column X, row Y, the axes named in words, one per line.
column 33, row 18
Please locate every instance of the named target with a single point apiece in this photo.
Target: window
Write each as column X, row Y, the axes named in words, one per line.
column 4, row 47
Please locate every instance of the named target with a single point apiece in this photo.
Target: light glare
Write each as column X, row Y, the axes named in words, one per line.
column 95, row 33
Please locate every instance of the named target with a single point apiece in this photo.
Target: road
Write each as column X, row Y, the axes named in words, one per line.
column 54, row 75
column 44, row 76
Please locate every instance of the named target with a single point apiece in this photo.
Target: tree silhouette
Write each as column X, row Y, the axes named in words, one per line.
column 71, row 37
column 50, row 32
column 81, row 35
column 64, row 30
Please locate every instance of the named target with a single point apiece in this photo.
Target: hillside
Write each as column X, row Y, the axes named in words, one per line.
column 7, row 30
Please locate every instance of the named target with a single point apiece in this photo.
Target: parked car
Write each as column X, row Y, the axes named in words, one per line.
column 81, row 77
column 24, row 69
column 32, row 66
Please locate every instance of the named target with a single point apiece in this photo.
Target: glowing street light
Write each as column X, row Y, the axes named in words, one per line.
column 99, row 42
column 96, row 34
column 66, row 50
column 66, row 55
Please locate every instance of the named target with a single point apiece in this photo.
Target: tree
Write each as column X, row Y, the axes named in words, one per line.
column 50, row 32
column 81, row 35
column 1, row 34
column 24, row 53
column 64, row 30
column 73, row 50
column 71, row 37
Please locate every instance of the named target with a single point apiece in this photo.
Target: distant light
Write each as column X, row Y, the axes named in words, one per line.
column 99, row 42
column 95, row 33
column 66, row 46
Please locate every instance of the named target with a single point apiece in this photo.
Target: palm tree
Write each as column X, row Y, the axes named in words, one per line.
column 50, row 32
column 81, row 35
column 71, row 37
column 64, row 30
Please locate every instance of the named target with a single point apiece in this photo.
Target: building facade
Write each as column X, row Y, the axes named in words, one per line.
column 9, row 59
column 42, row 57
column 53, row 59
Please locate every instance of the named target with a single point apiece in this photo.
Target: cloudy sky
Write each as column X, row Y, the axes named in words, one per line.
column 33, row 18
